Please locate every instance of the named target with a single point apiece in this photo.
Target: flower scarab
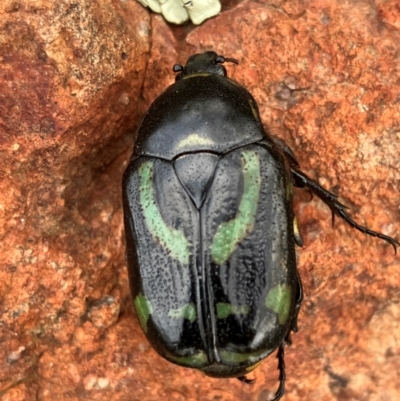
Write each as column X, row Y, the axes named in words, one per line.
column 210, row 227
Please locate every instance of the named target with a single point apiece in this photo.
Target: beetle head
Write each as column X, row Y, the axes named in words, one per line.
column 208, row 62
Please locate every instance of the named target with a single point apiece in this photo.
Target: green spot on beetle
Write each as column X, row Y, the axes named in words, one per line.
column 194, row 139
column 239, row 357
column 231, row 233
column 172, row 240
column 194, row 361
column 187, row 311
column 278, row 300
column 143, row 310
column 226, row 309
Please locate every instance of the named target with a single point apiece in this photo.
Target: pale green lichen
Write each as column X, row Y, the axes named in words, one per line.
column 180, row 11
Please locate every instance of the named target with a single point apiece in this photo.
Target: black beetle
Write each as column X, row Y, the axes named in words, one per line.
column 210, row 228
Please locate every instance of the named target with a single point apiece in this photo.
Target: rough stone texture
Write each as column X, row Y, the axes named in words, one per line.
column 71, row 75
column 327, row 79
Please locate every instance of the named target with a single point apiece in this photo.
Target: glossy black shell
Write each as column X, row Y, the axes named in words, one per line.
column 202, row 160
column 213, row 110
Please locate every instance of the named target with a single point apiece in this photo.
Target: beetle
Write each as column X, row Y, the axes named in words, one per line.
column 210, row 228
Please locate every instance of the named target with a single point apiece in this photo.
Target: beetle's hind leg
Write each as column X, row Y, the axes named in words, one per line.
column 282, row 375
column 281, row 367
column 337, row 208
column 244, row 379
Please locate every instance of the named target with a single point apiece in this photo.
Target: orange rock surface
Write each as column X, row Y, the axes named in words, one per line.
column 75, row 80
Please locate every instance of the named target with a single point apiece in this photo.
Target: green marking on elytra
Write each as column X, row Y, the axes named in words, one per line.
column 225, row 309
column 278, row 300
column 231, row 233
column 236, row 357
column 143, row 310
column 187, row 311
column 170, row 239
column 194, row 361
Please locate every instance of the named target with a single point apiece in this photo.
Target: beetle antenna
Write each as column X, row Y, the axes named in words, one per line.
column 231, row 60
column 222, row 60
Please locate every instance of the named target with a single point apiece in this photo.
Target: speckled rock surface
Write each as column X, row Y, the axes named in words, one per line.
column 74, row 77
column 70, row 81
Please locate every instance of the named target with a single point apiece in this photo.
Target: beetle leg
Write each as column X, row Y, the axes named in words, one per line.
column 284, row 147
column 282, row 375
column 244, row 379
column 336, row 207
column 288, row 154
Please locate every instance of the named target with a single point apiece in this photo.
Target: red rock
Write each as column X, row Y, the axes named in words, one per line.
column 74, row 77
column 389, row 13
